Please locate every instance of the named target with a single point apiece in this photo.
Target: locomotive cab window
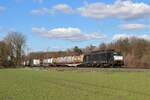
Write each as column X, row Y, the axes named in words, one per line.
column 117, row 54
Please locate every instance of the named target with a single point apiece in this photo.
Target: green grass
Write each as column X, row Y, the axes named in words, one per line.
column 80, row 84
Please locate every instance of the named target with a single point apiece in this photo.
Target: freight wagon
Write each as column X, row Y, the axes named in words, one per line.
column 47, row 62
column 36, row 62
column 68, row 60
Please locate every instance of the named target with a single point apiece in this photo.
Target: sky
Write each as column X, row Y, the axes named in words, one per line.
column 51, row 25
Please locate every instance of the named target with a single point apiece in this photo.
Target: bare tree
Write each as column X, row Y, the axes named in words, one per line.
column 102, row 46
column 16, row 43
column 90, row 48
column 4, row 54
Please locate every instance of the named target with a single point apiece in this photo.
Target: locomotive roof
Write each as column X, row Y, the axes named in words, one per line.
column 109, row 50
column 101, row 51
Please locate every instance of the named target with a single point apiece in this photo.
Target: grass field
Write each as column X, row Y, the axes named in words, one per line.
column 74, row 84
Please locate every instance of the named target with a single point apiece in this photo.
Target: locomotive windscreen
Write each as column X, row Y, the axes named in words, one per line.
column 117, row 54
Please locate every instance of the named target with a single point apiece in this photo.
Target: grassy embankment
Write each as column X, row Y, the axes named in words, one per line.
column 74, row 84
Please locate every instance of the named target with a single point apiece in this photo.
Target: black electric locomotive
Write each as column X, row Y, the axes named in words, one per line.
column 103, row 58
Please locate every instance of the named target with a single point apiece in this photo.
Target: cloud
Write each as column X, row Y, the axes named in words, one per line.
column 55, row 48
column 62, row 8
column 41, row 11
column 2, row 8
column 124, row 36
column 124, row 9
column 57, row 8
column 72, row 34
column 133, row 26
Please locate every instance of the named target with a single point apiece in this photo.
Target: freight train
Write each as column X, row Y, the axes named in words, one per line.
column 102, row 58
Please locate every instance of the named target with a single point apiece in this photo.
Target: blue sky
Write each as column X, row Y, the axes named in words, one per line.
column 61, row 24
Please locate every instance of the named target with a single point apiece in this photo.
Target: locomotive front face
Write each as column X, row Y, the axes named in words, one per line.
column 118, row 58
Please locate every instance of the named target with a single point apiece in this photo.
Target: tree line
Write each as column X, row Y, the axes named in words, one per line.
column 12, row 49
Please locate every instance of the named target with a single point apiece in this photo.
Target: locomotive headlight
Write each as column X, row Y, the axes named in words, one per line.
column 118, row 57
